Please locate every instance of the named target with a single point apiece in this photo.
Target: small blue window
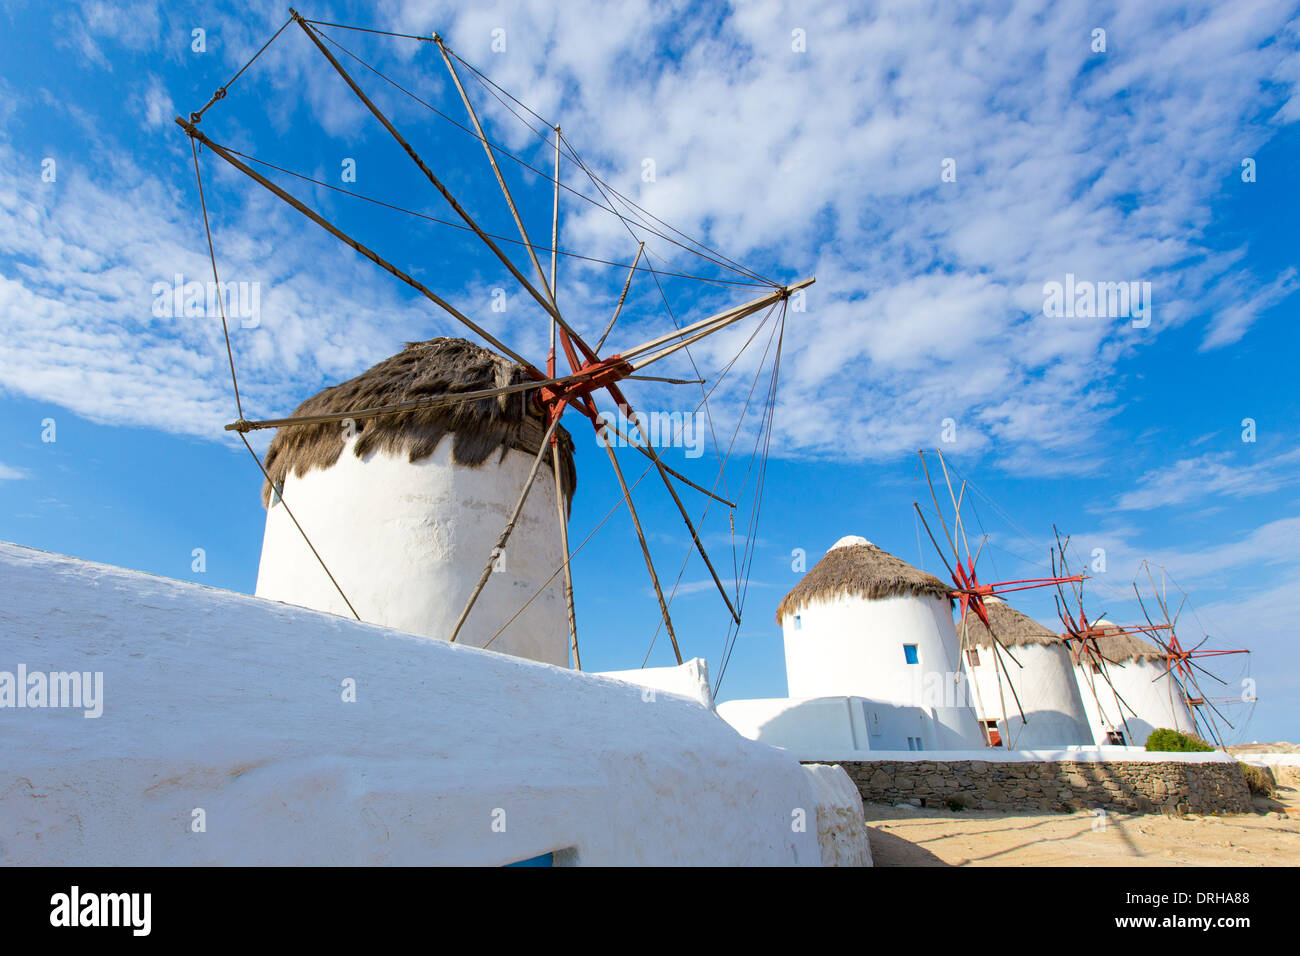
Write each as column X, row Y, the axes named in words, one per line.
column 798, row 622
column 909, row 652
column 546, row 859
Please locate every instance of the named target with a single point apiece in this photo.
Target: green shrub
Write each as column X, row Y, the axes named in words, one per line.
column 1171, row 741
column 1258, row 779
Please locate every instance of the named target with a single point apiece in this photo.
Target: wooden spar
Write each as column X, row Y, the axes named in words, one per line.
column 505, row 532
column 425, row 401
column 542, row 300
column 699, row 546
column 956, row 505
column 645, row 548
column 744, row 313
column 670, row 381
column 366, row 251
column 747, row 308
column 547, row 287
column 622, row 298
column 555, row 449
column 568, row 573
column 938, row 510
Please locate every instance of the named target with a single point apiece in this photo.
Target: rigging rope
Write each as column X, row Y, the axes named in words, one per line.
column 658, row 285
column 465, row 228
column 722, row 465
column 751, row 551
column 225, row 328
column 721, row 261
column 221, row 92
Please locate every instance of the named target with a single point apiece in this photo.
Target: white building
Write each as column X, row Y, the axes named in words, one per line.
column 871, row 658
column 1140, row 695
column 1036, row 669
column 405, row 509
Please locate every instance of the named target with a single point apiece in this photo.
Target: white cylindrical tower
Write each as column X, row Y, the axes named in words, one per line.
column 1037, row 669
column 1140, row 696
column 405, row 508
column 863, row 623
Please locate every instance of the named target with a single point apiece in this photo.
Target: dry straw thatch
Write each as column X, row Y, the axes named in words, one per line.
column 477, row 428
column 1013, row 628
column 863, row 570
column 1120, row 646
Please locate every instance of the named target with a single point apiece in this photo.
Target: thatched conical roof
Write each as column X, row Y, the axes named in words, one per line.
column 477, row 428
column 1013, row 628
column 855, row 566
column 1118, row 645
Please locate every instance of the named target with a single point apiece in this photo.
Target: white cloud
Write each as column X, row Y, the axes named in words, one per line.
column 1236, row 317
column 1212, row 474
column 155, row 105
column 928, row 301
column 10, row 473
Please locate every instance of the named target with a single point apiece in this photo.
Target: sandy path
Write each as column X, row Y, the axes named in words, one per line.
column 909, row 837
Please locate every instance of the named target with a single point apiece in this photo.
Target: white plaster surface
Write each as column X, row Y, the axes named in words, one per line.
column 835, row 725
column 407, row 543
column 1151, row 697
column 1042, row 677
column 1270, row 760
column 841, row 822
column 234, row 705
column 689, row 679
column 998, row 755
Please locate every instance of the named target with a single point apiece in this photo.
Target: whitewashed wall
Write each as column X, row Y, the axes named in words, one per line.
column 235, row 706
column 688, row 679
column 852, row 647
column 1153, row 701
column 826, row 728
column 408, row 541
column 1049, row 694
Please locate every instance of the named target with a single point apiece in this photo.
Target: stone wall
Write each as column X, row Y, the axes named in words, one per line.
column 1041, row 786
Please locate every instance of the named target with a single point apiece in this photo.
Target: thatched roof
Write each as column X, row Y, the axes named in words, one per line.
column 1120, row 646
column 1013, row 628
column 856, row 566
column 478, row 428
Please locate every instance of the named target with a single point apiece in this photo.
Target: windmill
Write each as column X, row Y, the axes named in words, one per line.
column 591, row 372
column 1113, row 662
column 970, row 592
column 1181, row 662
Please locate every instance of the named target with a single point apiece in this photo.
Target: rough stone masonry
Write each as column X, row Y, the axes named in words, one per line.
column 1130, row 786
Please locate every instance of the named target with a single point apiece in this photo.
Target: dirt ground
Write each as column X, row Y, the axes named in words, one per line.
column 906, row 836
column 911, row 837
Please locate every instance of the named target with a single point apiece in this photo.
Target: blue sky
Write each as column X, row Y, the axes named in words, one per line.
column 1117, row 165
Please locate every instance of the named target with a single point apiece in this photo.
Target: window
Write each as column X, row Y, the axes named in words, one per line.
column 798, row 622
column 973, row 657
column 910, row 653
column 1115, row 738
column 914, row 743
column 992, row 736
